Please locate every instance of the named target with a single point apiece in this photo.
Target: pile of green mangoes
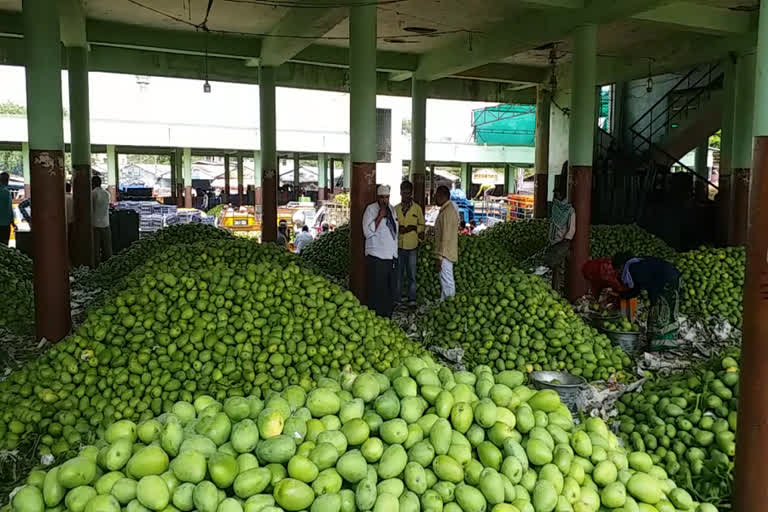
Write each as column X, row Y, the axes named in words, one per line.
column 329, row 253
column 223, row 318
column 521, row 323
column 712, row 283
column 687, row 423
column 15, row 262
column 480, row 262
column 415, row 437
column 521, row 238
column 112, row 271
column 606, row 241
column 16, row 291
column 621, row 325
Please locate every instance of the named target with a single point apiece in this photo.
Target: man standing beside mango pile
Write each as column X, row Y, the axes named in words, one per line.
column 446, row 241
column 410, row 219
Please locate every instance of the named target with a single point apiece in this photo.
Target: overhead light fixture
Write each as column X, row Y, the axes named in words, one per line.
column 207, row 87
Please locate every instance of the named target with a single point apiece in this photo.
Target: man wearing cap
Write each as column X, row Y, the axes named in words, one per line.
column 380, row 232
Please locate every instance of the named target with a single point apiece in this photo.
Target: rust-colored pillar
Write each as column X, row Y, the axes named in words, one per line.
column 580, row 190
column 581, row 135
column 49, row 243
column 751, row 492
column 541, row 176
column 362, row 136
column 740, row 206
column 226, row 179
column 269, row 177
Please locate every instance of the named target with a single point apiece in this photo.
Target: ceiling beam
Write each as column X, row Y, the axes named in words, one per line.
column 701, row 18
column 526, row 32
column 110, row 59
column 507, row 73
column 336, row 56
column 72, row 23
column 568, row 4
column 313, row 23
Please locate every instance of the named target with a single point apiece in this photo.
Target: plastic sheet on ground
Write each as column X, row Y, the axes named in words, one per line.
column 599, row 398
column 451, row 357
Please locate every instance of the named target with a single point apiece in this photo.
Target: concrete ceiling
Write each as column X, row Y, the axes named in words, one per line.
column 491, row 40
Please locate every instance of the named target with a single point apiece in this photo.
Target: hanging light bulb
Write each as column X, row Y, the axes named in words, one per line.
column 207, row 87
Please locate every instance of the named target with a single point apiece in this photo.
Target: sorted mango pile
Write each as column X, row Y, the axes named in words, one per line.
column 713, row 283
column 329, row 253
column 521, row 323
column 479, row 263
column 15, row 262
column 226, row 318
column 521, row 238
column 687, row 424
column 605, row 241
column 112, row 271
column 416, row 437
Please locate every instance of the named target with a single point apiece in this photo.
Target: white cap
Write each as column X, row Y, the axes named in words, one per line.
column 383, row 190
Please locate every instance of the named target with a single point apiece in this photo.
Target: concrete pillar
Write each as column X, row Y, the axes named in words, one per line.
column 752, row 434
column 187, row 170
column 79, row 121
column 362, row 135
column 510, row 179
column 702, row 170
column 418, row 139
column 257, row 178
column 725, row 205
column 240, row 180
column 540, row 185
column 322, row 177
column 296, row 175
column 347, row 181
column 46, row 155
column 580, row 148
column 113, row 172
column 742, row 147
column 178, row 167
column 268, row 132
column 227, row 179
column 465, row 176
column 26, row 168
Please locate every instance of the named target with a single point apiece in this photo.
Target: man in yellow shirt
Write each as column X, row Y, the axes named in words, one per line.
column 446, row 241
column 410, row 218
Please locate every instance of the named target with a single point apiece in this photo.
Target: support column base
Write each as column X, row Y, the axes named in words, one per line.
column 27, row 191
column 362, row 194
column 540, row 195
column 751, row 445
column 724, row 206
column 257, row 196
column 49, row 245
column 269, row 205
column 580, row 186
column 187, row 197
column 82, row 236
column 324, row 194
column 112, row 193
column 740, row 206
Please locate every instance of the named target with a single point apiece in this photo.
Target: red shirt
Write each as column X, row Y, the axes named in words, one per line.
column 600, row 274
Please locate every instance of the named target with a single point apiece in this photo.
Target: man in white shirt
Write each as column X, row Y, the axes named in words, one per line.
column 303, row 239
column 102, row 234
column 380, row 232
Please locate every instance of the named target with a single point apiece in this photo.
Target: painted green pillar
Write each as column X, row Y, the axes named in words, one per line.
column 743, row 132
column 187, row 176
column 347, row 169
column 418, row 139
column 701, row 166
column 240, row 180
column 322, row 177
column 268, row 134
column 42, row 49
column 112, row 172
column 752, row 436
column 725, row 185
column 362, row 134
column 510, row 179
column 541, row 176
column 257, row 178
column 79, row 122
column 465, row 176
column 25, row 167
column 581, row 136
column 296, row 175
